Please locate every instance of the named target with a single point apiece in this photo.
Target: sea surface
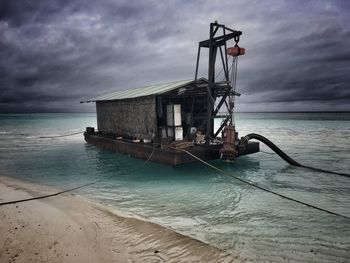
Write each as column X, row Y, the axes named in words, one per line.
column 200, row 202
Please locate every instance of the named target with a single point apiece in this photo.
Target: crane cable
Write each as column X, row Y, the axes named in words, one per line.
column 260, row 187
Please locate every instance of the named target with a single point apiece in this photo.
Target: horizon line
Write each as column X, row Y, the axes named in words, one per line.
column 39, row 112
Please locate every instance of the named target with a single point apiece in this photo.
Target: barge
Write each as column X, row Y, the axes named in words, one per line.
column 166, row 155
column 172, row 123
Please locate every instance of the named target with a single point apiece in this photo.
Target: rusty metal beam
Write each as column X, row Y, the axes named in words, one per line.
column 219, row 40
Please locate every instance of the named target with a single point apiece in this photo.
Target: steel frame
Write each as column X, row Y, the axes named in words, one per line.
column 214, row 43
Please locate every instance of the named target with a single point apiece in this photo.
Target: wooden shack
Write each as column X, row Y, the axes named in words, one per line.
column 145, row 113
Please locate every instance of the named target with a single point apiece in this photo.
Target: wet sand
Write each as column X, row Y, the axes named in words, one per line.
column 69, row 228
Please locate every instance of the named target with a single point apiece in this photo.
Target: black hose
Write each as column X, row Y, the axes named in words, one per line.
column 287, row 158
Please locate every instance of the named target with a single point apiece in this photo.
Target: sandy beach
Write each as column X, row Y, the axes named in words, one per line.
column 69, row 228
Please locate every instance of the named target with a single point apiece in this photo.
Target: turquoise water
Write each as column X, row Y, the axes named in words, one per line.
column 200, row 202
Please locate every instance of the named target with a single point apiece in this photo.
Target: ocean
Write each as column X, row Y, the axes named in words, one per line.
column 200, row 202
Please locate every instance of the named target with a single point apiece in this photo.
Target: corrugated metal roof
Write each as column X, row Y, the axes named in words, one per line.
column 141, row 92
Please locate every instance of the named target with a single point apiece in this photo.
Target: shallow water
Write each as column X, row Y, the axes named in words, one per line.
column 200, row 202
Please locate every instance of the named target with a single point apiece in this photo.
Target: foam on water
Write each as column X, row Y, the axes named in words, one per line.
column 200, row 202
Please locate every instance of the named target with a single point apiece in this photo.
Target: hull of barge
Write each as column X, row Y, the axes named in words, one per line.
column 147, row 151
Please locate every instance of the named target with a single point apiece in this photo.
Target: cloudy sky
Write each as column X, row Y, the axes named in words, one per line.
column 55, row 53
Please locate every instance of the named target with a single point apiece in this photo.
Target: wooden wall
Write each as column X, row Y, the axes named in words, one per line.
column 129, row 118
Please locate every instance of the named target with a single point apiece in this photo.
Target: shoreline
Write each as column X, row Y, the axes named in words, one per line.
column 71, row 228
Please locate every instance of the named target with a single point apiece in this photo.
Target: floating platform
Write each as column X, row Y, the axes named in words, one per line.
column 169, row 156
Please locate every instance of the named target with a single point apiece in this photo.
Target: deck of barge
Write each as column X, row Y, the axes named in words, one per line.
column 168, row 156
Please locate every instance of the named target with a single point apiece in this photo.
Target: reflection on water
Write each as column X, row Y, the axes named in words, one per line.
column 198, row 201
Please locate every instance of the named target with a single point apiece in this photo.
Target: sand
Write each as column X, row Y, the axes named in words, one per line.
column 69, row 228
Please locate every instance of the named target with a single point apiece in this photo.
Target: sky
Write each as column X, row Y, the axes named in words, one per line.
column 53, row 54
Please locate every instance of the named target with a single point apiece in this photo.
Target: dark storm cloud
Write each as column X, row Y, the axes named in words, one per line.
column 55, row 53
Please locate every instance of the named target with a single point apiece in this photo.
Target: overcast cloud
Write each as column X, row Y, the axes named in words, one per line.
column 55, row 53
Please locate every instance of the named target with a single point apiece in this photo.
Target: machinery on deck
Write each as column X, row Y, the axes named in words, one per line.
column 221, row 93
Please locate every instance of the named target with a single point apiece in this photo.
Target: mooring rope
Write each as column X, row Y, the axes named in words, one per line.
column 248, row 137
column 150, row 156
column 63, row 135
column 77, row 187
column 267, row 152
column 50, row 195
column 287, row 158
column 260, row 187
